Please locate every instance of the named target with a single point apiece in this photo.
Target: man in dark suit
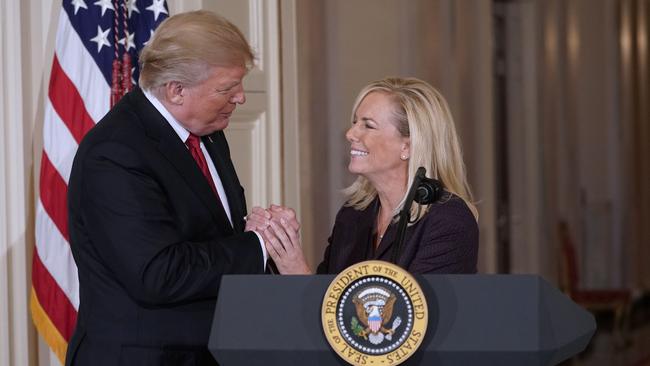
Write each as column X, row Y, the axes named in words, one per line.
column 156, row 210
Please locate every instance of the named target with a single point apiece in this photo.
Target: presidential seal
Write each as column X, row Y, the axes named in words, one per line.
column 374, row 313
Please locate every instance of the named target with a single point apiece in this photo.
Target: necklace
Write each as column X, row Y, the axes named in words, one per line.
column 380, row 233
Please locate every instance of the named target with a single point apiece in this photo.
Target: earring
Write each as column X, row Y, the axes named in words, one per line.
column 404, row 157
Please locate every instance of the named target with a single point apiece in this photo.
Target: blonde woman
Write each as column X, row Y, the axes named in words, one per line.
column 398, row 125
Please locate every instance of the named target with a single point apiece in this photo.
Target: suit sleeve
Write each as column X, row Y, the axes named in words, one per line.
column 449, row 243
column 132, row 230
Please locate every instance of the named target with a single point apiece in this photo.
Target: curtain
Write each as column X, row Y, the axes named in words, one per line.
column 634, row 16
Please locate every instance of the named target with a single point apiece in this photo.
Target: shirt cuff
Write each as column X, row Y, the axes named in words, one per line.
column 264, row 254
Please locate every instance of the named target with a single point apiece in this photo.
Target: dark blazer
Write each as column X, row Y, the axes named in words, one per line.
column 444, row 240
column 150, row 241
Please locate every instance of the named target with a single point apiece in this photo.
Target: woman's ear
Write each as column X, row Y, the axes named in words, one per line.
column 406, row 149
column 174, row 92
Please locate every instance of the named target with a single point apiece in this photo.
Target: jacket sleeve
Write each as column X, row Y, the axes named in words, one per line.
column 132, row 230
column 323, row 267
column 331, row 257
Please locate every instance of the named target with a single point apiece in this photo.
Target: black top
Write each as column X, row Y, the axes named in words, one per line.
column 444, row 240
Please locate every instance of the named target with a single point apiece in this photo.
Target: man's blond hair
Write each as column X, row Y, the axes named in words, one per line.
column 185, row 48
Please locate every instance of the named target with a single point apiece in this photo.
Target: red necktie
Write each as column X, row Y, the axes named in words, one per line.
column 194, row 144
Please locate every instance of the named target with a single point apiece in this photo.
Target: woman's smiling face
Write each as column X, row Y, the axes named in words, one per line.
column 376, row 146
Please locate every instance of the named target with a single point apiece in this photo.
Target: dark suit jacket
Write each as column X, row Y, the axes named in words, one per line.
column 444, row 240
column 150, row 241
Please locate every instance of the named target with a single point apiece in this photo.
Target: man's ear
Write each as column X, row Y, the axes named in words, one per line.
column 174, row 92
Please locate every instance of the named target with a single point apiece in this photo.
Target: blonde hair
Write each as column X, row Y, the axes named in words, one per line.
column 186, row 46
column 422, row 114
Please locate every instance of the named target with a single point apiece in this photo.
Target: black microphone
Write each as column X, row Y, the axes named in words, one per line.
column 424, row 191
column 428, row 191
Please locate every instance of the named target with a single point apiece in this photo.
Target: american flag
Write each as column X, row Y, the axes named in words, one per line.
column 89, row 73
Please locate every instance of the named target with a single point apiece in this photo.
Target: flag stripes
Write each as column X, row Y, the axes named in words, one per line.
column 60, row 146
column 61, row 312
column 82, row 71
column 68, row 103
column 53, row 196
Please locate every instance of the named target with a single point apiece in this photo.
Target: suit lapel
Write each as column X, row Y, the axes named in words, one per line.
column 175, row 151
column 217, row 147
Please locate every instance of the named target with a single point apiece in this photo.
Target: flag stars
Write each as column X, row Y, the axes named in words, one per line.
column 101, row 38
column 105, row 4
column 157, row 8
column 132, row 74
column 127, row 41
column 150, row 35
column 132, row 7
column 78, row 4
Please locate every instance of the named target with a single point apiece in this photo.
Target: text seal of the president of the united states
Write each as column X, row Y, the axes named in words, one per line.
column 374, row 313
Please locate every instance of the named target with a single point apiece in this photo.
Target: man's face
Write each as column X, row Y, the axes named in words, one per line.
column 207, row 106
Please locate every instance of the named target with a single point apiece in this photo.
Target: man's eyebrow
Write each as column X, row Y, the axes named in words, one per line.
column 229, row 86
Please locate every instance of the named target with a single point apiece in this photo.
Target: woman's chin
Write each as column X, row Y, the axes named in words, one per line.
column 353, row 169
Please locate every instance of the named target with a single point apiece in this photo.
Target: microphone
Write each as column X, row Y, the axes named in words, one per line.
column 428, row 191
column 424, row 191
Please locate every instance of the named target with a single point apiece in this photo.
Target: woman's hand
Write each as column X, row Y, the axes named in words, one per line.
column 283, row 245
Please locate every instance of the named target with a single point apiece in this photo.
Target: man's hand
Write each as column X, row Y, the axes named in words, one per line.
column 258, row 220
column 278, row 212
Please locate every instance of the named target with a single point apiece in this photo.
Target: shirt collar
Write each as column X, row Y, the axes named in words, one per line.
column 182, row 133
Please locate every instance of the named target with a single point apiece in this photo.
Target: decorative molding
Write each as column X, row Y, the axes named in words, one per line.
column 274, row 102
column 290, row 103
column 257, row 16
column 248, row 130
column 256, row 29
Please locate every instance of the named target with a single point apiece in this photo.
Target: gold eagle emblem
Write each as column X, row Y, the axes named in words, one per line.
column 374, row 308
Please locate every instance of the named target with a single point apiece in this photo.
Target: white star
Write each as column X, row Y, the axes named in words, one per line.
column 105, row 4
column 132, row 73
column 101, row 38
column 78, row 4
column 150, row 34
column 157, row 7
column 129, row 41
column 130, row 4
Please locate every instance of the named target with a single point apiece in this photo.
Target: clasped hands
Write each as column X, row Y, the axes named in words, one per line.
column 280, row 230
